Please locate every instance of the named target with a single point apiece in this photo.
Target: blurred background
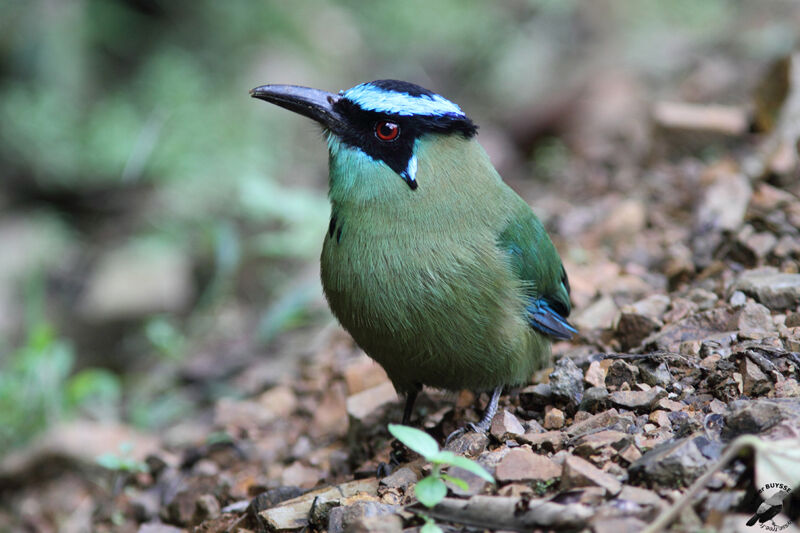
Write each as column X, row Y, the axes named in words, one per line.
column 160, row 230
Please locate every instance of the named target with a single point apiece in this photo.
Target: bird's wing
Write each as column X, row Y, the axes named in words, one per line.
column 535, row 261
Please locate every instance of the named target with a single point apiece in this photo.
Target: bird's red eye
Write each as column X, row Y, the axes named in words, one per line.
column 387, row 131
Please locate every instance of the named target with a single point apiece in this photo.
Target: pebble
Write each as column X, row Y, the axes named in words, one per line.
column 673, row 464
column 594, row 399
column 606, row 419
column 206, row 508
column 620, row 372
column 750, row 417
column 632, row 328
column 549, row 441
column 774, row 289
column 738, row 299
column 522, row 464
column 637, row 400
column 566, row 383
column 400, row 479
column 504, row 423
column 364, row 407
column 578, row 472
column 592, row 443
column 598, row 315
column 596, row 373
column 364, row 516
column 554, row 419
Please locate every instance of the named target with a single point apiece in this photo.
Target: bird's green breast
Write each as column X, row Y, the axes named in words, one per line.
column 417, row 276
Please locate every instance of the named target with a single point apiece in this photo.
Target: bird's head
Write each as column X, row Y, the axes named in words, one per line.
column 381, row 120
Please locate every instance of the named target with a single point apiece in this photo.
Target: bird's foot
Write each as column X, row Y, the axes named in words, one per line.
column 480, row 427
column 486, row 421
column 397, row 456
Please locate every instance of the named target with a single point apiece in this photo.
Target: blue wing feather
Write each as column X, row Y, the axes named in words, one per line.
column 543, row 317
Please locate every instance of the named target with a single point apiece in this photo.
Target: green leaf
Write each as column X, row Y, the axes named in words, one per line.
column 457, row 481
column 430, row 526
column 444, row 457
column 430, row 491
column 471, row 466
column 415, row 439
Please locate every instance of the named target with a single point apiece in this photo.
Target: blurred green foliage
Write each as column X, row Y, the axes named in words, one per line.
column 39, row 385
column 129, row 120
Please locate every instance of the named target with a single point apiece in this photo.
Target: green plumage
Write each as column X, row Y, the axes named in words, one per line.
column 438, row 270
column 433, row 283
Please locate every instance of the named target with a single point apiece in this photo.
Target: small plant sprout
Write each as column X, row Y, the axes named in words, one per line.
column 123, row 462
column 432, row 489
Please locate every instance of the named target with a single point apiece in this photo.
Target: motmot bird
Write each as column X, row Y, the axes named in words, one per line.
column 438, row 269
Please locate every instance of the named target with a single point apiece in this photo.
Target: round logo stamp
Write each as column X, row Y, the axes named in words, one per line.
column 776, row 497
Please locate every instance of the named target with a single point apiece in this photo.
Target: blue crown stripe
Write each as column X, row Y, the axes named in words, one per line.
column 371, row 98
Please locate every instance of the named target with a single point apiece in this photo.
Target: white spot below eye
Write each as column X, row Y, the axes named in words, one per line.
column 411, row 169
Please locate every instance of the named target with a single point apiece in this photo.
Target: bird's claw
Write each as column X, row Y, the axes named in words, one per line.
column 471, row 426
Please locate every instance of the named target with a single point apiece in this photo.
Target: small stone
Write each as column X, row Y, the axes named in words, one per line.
column 594, row 399
column 637, row 400
column 593, row 443
column 738, row 299
column 787, row 245
column 787, row 388
column 641, row 496
column 632, row 328
column 504, row 424
column 596, row 374
column 682, row 424
column 710, row 363
column 365, row 407
column 755, row 318
column 206, row 508
column 792, row 320
column 690, row 347
column 670, row 405
column 754, row 381
column 704, row 299
column 535, row 397
column 610, row 419
column 522, row 464
column 679, row 309
column 358, row 517
column 300, row 475
column 653, row 306
column 660, row 418
column 137, row 280
column 554, row 419
column 631, row 454
column 620, row 372
column 549, row 441
column 400, row 479
column 598, row 315
column 566, row 383
column 293, row 514
column 774, row 289
column 363, row 374
column 750, row 417
column 375, row 524
column 673, row 464
column 475, row 483
column 654, row 373
column 578, row 472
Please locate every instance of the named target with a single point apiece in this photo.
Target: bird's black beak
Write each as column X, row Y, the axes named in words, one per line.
column 312, row 103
